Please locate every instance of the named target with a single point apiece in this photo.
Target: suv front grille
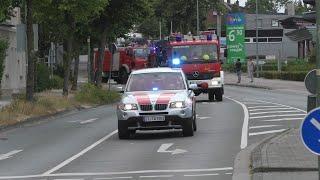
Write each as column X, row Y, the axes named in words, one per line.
column 161, row 107
column 147, row 107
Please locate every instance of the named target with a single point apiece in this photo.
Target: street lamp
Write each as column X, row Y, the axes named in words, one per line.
column 89, row 62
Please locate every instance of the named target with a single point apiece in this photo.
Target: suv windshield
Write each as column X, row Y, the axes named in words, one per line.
column 195, row 53
column 156, row 81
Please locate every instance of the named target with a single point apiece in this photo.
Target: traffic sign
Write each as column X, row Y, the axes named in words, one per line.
column 310, row 131
column 309, row 82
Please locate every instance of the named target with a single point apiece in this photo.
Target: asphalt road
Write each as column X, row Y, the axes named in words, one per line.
column 84, row 145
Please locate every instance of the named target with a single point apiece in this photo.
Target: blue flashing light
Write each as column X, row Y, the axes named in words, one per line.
column 155, row 89
column 178, row 38
column 209, row 37
column 176, row 61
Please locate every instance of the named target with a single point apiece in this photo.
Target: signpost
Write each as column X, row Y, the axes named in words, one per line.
column 310, row 131
column 235, row 37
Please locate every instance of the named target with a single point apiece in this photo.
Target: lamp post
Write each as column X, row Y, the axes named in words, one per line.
column 89, row 61
column 257, row 41
column 198, row 18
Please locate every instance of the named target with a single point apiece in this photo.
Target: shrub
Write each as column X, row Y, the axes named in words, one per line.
column 92, row 94
column 292, row 76
column 56, row 82
column 42, row 78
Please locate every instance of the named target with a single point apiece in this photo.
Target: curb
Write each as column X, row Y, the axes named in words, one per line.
column 249, row 86
column 243, row 162
column 46, row 117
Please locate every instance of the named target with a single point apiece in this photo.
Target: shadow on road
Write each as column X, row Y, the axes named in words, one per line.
column 146, row 135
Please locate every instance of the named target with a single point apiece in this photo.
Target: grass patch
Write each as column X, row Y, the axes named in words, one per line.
column 91, row 94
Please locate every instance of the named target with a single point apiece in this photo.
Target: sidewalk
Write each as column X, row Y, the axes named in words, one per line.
column 274, row 84
column 280, row 157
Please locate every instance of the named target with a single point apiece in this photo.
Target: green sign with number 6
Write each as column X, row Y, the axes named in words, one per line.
column 235, row 37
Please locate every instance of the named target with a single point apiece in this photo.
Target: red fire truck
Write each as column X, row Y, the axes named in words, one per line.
column 199, row 59
column 125, row 60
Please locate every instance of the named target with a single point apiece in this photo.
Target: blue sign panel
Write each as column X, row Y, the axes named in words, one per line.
column 310, row 131
column 235, row 19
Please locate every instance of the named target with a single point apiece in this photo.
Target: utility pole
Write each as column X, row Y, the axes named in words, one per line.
column 198, row 25
column 257, row 41
column 318, row 63
column 160, row 28
column 171, row 27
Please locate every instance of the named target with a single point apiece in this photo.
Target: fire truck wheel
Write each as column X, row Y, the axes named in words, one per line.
column 123, row 77
column 211, row 96
column 219, row 95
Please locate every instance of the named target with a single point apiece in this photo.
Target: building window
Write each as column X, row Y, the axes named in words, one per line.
column 274, row 39
column 274, row 23
column 263, row 40
column 247, row 40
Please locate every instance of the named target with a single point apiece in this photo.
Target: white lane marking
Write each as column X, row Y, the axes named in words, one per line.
column 271, row 112
column 256, row 107
column 119, row 173
column 68, row 179
column 270, row 109
column 228, row 173
column 266, row 132
column 244, row 135
column 164, row 149
column 200, row 175
column 158, row 176
column 284, row 106
column 9, row 154
column 284, row 119
column 64, row 163
column 265, row 126
column 129, row 177
column 202, row 118
column 315, row 123
column 280, row 115
column 88, row 121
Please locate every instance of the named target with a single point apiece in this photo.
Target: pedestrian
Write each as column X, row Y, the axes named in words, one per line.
column 251, row 69
column 238, row 69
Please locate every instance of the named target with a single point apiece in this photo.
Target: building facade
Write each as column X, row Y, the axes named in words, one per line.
column 272, row 41
column 14, row 76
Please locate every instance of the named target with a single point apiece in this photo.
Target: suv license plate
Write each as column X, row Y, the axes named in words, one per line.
column 153, row 118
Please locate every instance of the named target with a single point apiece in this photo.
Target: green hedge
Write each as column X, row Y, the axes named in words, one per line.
column 292, row 76
column 43, row 81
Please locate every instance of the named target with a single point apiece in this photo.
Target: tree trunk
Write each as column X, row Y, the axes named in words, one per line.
column 102, row 45
column 75, row 73
column 30, row 70
column 68, row 58
column 91, row 66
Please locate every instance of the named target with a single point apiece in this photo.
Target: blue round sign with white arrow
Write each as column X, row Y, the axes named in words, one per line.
column 310, row 131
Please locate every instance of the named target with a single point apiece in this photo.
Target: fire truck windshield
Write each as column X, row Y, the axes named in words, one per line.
column 141, row 52
column 195, row 53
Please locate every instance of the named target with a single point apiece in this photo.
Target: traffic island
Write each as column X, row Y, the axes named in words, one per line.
column 280, row 157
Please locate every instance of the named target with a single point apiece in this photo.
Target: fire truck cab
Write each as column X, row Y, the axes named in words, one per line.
column 125, row 60
column 199, row 59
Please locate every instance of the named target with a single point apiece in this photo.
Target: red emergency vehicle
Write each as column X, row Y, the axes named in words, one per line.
column 199, row 58
column 125, row 60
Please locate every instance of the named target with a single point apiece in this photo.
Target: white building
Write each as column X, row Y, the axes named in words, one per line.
column 14, row 76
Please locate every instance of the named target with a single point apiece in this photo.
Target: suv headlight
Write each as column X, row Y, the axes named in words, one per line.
column 178, row 104
column 128, row 107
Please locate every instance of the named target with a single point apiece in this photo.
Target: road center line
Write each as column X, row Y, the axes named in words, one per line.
column 200, row 175
column 157, row 176
column 244, row 135
column 64, row 163
column 88, row 121
column 270, row 109
column 266, row 132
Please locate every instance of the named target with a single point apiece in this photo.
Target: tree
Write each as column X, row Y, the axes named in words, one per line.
column 117, row 19
column 265, row 6
column 300, row 7
column 63, row 17
column 30, row 53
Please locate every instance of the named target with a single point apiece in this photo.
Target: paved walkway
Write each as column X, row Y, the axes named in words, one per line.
column 275, row 84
